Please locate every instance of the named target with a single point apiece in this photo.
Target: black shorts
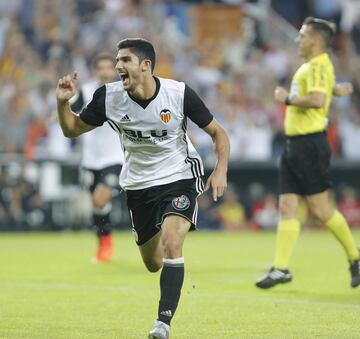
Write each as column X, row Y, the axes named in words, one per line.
column 108, row 176
column 305, row 164
column 148, row 207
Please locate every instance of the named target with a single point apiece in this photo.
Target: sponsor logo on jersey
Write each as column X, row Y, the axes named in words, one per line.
column 125, row 118
column 165, row 115
column 152, row 137
column 181, row 203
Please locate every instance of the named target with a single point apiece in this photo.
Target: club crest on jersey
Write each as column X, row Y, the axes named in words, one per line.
column 165, row 115
column 181, row 203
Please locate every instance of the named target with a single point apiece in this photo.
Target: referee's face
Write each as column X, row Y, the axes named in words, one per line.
column 305, row 41
column 129, row 69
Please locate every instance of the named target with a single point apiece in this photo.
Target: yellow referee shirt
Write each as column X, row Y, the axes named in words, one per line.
column 316, row 75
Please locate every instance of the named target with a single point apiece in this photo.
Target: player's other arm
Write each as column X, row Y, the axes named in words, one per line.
column 71, row 124
column 218, row 178
column 311, row 100
column 196, row 110
column 343, row 89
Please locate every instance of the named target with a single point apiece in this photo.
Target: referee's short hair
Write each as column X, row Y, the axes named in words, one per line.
column 326, row 29
column 142, row 48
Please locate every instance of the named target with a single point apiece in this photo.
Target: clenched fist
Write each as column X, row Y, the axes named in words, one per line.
column 66, row 87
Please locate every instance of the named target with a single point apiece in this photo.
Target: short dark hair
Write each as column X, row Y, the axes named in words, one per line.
column 142, row 48
column 102, row 56
column 327, row 29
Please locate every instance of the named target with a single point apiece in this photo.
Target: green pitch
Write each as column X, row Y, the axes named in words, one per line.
column 49, row 289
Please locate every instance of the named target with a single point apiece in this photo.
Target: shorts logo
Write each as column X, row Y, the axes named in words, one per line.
column 181, row 203
column 165, row 115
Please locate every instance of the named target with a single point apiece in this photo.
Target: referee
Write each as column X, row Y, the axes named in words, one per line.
column 304, row 168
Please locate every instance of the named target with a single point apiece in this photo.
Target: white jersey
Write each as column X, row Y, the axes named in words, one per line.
column 100, row 147
column 153, row 132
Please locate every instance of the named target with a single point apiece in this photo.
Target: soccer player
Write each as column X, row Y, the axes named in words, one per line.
column 102, row 158
column 162, row 172
column 304, row 168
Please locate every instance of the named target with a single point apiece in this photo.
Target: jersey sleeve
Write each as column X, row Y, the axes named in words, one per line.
column 195, row 109
column 94, row 113
column 77, row 102
column 318, row 78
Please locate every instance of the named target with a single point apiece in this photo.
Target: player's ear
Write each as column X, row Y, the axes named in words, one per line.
column 146, row 65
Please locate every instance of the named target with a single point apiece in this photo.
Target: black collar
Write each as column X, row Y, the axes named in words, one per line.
column 146, row 102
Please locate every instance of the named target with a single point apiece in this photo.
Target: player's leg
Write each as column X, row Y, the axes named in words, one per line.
column 105, row 183
column 321, row 207
column 288, row 228
column 173, row 232
column 288, row 231
column 101, row 200
column 152, row 253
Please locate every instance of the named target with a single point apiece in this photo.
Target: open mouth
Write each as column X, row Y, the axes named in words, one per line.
column 124, row 78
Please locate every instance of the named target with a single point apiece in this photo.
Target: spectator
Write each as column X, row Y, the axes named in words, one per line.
column 231, row 212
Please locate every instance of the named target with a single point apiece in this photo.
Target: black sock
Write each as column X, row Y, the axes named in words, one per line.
column 171, row 281
column 102, row 223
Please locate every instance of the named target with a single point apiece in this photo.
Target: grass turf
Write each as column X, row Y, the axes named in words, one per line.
column 49, row 289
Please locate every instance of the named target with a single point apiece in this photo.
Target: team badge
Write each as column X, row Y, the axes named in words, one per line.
column 165, row 115
column 181, row 203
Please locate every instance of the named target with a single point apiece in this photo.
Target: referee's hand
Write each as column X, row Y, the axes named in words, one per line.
column 66, row 87
column 217, row 181
column 280, row 94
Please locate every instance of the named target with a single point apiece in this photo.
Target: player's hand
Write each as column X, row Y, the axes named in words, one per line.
column 280, row 94
column 66, row 87
column 343, row 89
column 217, row 181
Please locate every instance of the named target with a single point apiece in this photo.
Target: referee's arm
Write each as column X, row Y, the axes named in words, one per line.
column 71, row 124
column 311, row 100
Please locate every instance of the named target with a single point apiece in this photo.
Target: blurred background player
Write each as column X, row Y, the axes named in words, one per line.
column 102, row 158
column 304, row 168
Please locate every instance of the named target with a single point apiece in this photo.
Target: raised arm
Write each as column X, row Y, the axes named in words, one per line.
column 218, row 178
column 71, row 124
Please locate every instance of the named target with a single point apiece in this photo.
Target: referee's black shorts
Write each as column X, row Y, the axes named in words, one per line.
column 148, row 207
column 305, row 164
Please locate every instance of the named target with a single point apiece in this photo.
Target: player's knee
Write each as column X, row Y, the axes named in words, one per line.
column 99, row 203
column 172, row 246
column 287, row 210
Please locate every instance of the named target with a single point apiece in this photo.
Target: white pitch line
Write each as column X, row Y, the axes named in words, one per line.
column 51, row 285
column 59, row 286
column 275, row 299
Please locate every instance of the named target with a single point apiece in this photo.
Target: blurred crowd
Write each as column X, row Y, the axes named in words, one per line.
column 234, row 67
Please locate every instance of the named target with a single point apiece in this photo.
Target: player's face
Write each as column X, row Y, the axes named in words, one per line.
column 105, row 71
column 305, row 41
column 129, row 69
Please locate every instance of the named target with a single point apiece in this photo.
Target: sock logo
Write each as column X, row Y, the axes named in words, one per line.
column 166, row 313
